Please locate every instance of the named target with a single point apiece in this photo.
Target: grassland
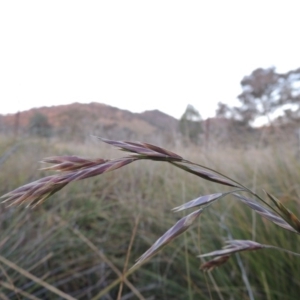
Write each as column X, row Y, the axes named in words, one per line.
column 80, row 241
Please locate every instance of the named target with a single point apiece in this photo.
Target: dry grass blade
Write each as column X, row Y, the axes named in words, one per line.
column 19, row 291
column 203, row 200
column 289, row 216
column 181, row 226
column 127, row 256
column 39, row 281
column 265, row 213
column 108, row 262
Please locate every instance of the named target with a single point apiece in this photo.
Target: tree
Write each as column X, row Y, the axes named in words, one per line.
column 190, row 124
column 224, row 111
column 39, row 125
column 264, row 92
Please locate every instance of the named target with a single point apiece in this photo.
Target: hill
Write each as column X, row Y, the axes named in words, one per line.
column 75, row 120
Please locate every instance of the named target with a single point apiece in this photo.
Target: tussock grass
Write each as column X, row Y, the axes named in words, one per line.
column 79, row 240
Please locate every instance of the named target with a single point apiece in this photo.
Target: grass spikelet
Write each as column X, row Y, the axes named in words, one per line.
column 38, row 191
column 264, row 212
column 144, row 150
column 203, row 200
column 198, row 171
column 71, row 163
column 214, row 263
column 233, row 246
column 289, row 216
column 181, row 226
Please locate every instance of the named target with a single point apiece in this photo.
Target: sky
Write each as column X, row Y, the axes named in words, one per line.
column 140, row 55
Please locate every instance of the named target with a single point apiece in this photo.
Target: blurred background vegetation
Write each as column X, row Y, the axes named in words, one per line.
column 79, row 241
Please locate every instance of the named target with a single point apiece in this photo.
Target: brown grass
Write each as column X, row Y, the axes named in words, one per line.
column 74, row 168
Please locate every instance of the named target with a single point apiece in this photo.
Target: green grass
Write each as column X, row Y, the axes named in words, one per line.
column 77, row 239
